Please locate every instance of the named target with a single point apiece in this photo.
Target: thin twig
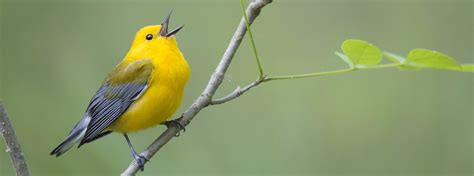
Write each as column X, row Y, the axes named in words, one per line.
column 205, row 98
column 12, row 144
column 237, row 92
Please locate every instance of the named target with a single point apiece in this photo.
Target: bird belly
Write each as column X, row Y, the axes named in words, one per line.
column 155, row 106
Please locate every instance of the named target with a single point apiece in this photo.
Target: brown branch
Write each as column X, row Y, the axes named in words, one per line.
column 205, row 99
column 12, row 144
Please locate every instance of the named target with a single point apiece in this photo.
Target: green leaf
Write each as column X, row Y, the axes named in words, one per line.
column 395, row 58
column 361, row 52
column 345, row 59
column 431, row 59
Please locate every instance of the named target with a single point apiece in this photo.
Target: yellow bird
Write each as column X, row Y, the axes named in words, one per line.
column 143, row 90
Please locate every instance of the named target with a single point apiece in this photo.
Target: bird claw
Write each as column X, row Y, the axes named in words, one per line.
column 140, row 160
column 176, row 124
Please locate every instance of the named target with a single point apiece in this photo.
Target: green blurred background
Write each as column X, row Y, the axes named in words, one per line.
column 55, row 54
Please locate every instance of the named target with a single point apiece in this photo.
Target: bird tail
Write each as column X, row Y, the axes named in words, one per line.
column 76, row 135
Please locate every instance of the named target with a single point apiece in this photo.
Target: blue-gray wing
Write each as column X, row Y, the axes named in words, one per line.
column 108, row 104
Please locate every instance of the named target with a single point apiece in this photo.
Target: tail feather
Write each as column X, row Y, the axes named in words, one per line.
column 75, row 136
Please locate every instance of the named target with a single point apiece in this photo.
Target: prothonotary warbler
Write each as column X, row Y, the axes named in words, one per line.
column 142, row 91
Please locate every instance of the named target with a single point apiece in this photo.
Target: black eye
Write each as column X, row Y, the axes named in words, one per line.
column 149, row 36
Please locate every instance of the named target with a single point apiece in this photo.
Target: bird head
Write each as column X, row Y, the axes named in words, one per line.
column 155, row 38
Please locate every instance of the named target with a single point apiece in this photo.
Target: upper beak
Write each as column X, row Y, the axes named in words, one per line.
column 164, row 27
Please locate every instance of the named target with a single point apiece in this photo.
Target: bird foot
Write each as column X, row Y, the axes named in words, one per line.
column 175, row 123
column 140, row 160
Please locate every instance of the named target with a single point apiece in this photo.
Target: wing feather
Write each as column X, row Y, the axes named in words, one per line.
column 123, row 86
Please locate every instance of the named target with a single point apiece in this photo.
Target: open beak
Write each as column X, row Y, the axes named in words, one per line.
column 164, row 27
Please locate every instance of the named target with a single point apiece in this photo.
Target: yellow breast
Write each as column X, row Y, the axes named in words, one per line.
column 154, row 107
column 158, row 103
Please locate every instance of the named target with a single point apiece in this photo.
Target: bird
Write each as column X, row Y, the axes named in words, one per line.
column 143, row 90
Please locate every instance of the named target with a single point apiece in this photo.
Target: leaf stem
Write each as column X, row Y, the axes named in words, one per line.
column 309, row 75
column 357, row 67
column 254, row 47
column 367, row 67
